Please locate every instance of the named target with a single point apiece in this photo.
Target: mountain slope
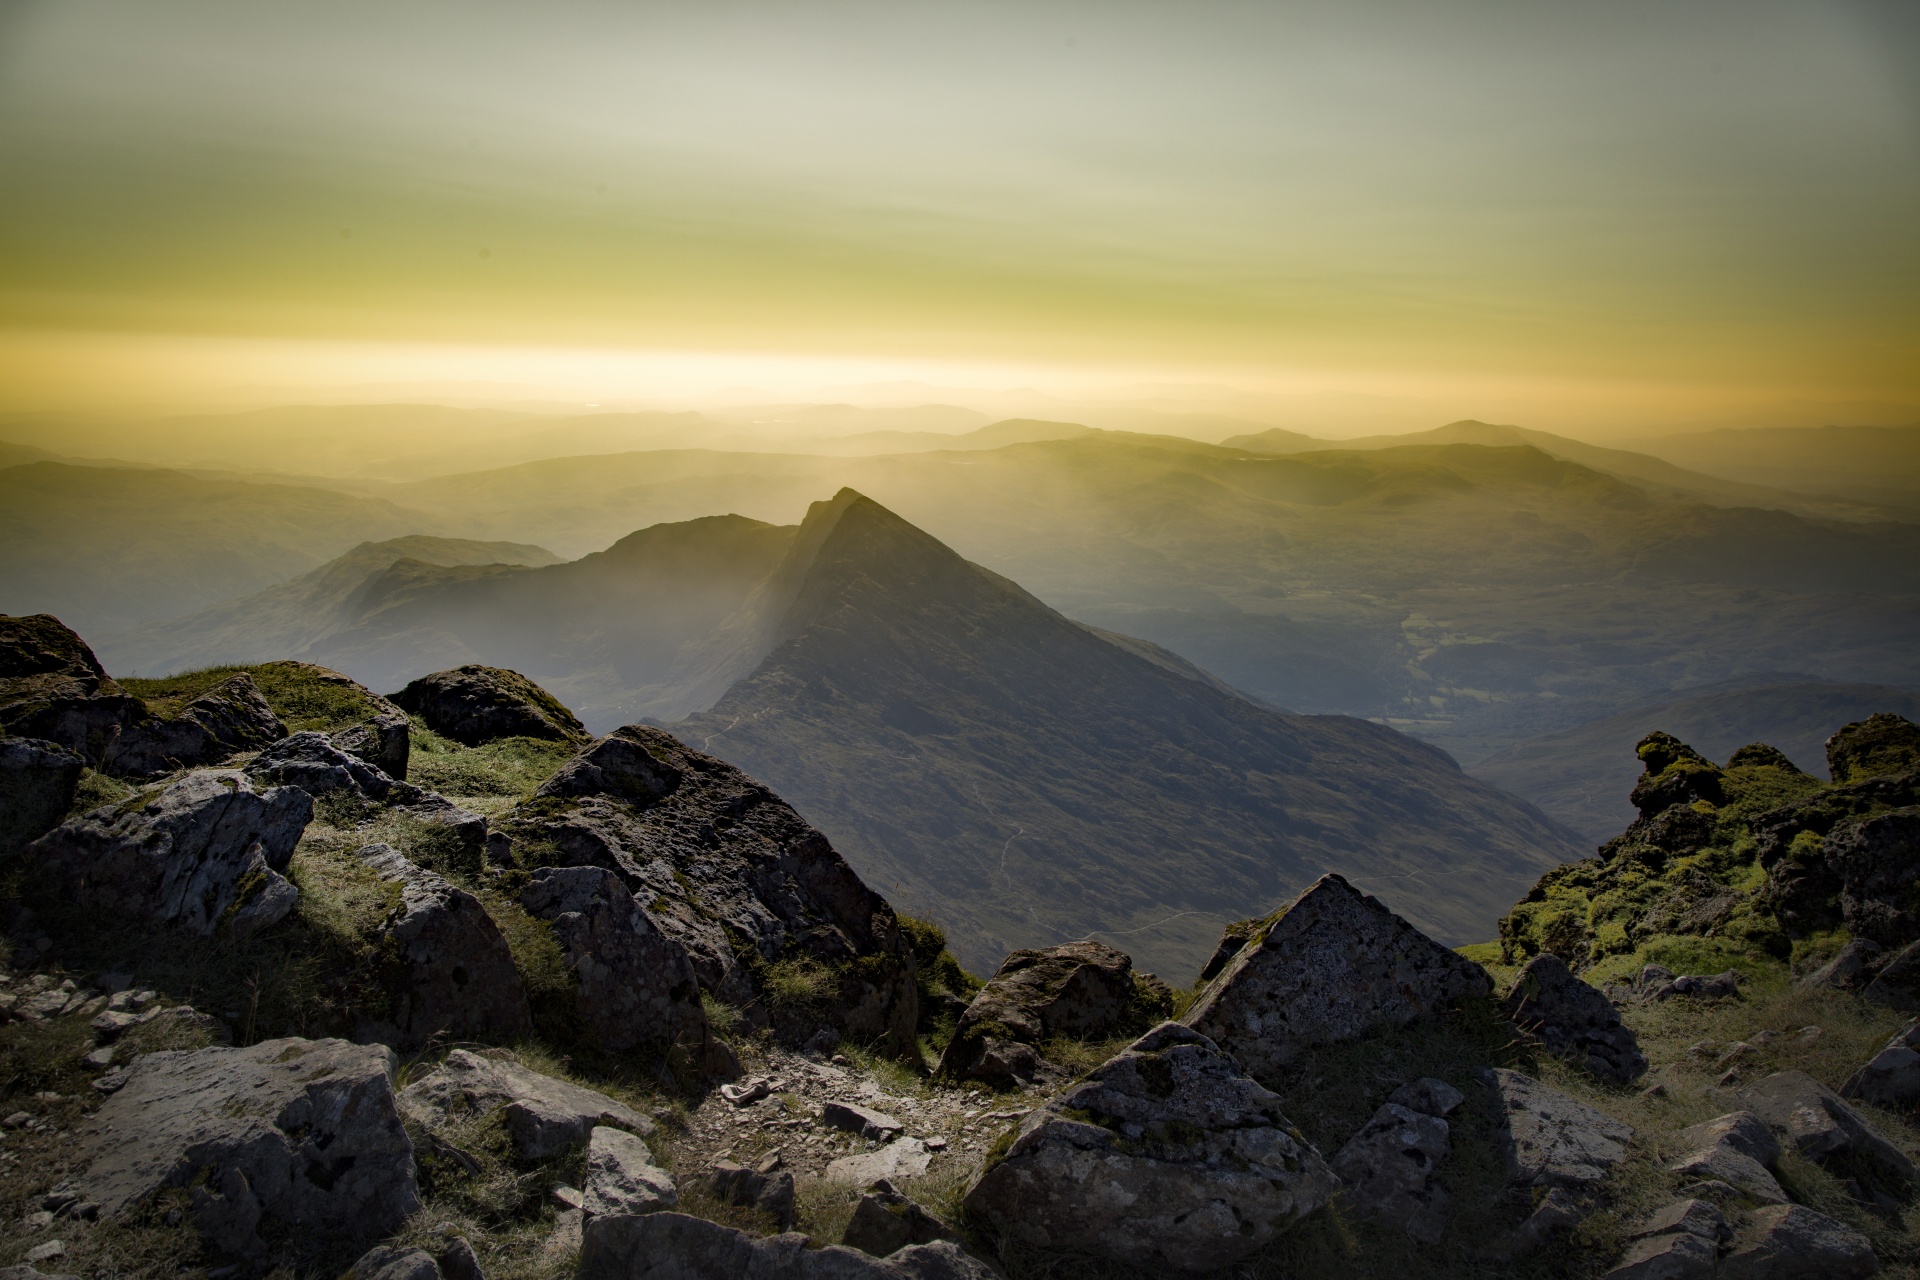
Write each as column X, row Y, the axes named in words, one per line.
column 986, row 761
column 1582, row 776
column 1865, row 464
column 291, row 615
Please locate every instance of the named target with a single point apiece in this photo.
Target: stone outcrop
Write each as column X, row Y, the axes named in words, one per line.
column 446, row 967
column 288, row 1135
column 385, row 742
column 1573, row 1020
column 1391, row 1170
column 204, row 853
column 1737, row 1149
column 1675, row 774
column 312, row 762
column 1167, row 1156
column 771, row 1192
column 53, row 688
column 1791, row 1242
column 1823, row 1128
column 1881, row 744
column 1892, row 1077
column 1896, row 980
column 622, row 1177
column 1679, row 1242
column 1548, row 1139
column 636, row 985
column 900, row 1158
column 475, row 704
column 228, row 718
column 1085, row 990
column 456, row 1261
column 673, row 1246
column 884, row 1222
column 544, row 1116
column 37, row 784
column 1875, row 860
column 1329, row 967
column 698, row 843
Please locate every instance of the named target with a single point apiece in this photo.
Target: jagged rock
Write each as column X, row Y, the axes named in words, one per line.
column 385, row 742
column 1391, row 1170
column 1004, row 1064
column 1789, row 1242
column 447, row 968
column 1080, row 989
column 1330, row 966
column 697, row 843
column 622, row 1178
column 37, row 783
column 901, row 1158
column 204, row 853
column 1875, row 859
column 1883, row 743
column 1892, row 1078
column 1677, row 1255
column 53, row 688
column 1737, row 1149
column 636, row 985
column 1549, row 1139
column 1675, row 774
column 1557, row 1211
column 1428, row 1096
column 1574, row 1020
column 673, row 1246
column 1803, row 889
column 1758, row 755
column 884, row 1222
column 770, row 1192
column 304, row 1133
column 544, row 1116
column 1694, row 1217
column 1852, row 965
column 311, row 762
column 1897, row 983
column 875, row 1126
column 1822, row 1126
column 229, row 717
column 1168, row 1155
column 475, row 704
column 385, row 1262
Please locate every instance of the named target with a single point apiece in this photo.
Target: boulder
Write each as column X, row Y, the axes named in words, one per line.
column 1896, row 984
column 1573, row 1020
column 673, row 1246
column 385, row 742
column 1081, row 989
column 1822, row 1126
column 770, row 1192
column 1892, row 1078
column 622, row 1178
column 475, row 705
column 1691, row 1217
column 544, row 1116
column 1557, row 1211
column 227, row 718
column 446, row 966
column 901, row 1158
column 1790, row 1242
column 718, row 862
column 1853, row 965
column 875, row 1126
column 1428, row 1096
column 1737, row 1149
column 388, row 1262
column 1674, row 774
column 884, row 1222
column 301, row 1134
column 204, row 853
column 1876, row 859
column 635, row 985
column 53, row 688
column 1549, row 1139
column 1701, row 986
column 1391, row 1170
column 312, row 762
column 1166, row 1156
column 1330, row 966
column 37, row 784
column 1881, row 744
column 1675, row 1255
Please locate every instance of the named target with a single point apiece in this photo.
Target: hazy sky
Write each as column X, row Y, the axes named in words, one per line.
column 1656, row 202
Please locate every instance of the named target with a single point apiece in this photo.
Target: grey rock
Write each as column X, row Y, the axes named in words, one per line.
column 1737, row 1149
column 302, row 1132
column 1678, row 1255
column 1742, row 1131
column 311, row 762
column 673, row 1246
column 1391, row 1170
column 770, row 1192
column 204, row 853
column 1329, row 967
column 1182, row 1162
column 230, row 717
column 1891, row 1078
column 1897, row 983
column 699, row 843
column 458, row 1261
column 884, row 1222
column 636, row 985
column 544, row 1116
column 1573, row 1020
column 449, row 970
column 1874, row 858
column 53, row 688
column 37, row 784
column 1852, row 966
column 876, row 1126
column 1080, row 989
column 1557, row 1211
column 1821, row 1125
column 1428, row 1096
column 475, row 704
column 385, row 742
column 1711, row 986
column 1549, row 1139
column 1790, row 1242
column 1695, row 1217
column 622, row 1177
column 901, row 1158
column 385, row 1262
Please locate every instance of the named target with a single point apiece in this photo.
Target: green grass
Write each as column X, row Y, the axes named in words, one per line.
column 295, row 691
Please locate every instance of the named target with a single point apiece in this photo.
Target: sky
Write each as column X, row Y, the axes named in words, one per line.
column 1602, row 214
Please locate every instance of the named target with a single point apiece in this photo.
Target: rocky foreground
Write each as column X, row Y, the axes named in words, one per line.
column 305, row 981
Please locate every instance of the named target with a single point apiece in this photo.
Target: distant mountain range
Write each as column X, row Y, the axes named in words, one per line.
column 1858, row 464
